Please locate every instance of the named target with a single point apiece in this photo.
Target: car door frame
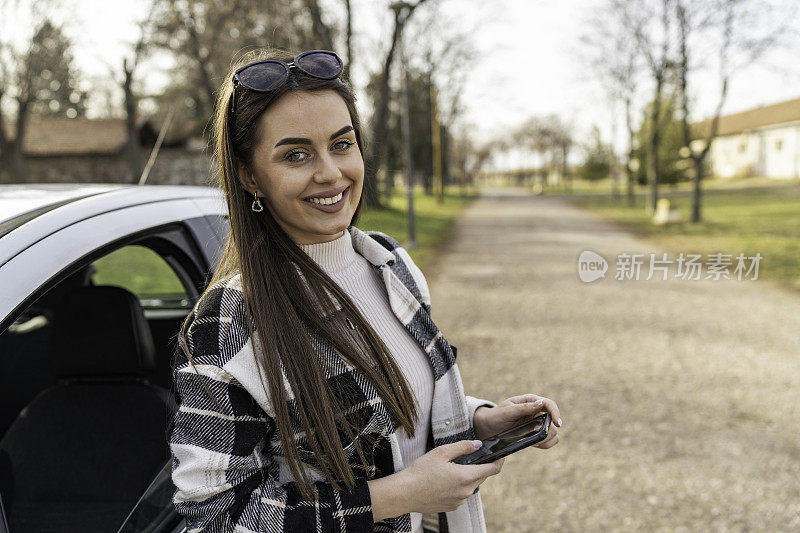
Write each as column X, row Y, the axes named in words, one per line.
column 49, row 260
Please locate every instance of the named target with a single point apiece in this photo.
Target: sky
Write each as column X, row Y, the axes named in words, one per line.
column 528, row 62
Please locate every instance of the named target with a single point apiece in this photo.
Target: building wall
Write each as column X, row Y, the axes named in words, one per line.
column 732, row 156
column 780, row 152
column 768, row 151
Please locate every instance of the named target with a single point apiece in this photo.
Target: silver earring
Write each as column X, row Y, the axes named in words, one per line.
column 256, row 206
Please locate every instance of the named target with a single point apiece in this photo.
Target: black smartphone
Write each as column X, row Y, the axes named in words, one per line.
column 509, row 441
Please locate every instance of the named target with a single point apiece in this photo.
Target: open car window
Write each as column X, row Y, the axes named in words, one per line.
column 146, row 274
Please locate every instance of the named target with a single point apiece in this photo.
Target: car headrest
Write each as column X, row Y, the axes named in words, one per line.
column 101, row 331
column 80, row 278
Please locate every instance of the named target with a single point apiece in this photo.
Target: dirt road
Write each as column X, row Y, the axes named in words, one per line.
column 680, row 398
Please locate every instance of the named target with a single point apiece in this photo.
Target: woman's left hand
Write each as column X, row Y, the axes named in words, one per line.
column 513, row 411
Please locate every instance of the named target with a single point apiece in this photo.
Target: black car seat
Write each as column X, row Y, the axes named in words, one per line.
column 26, row 365
column 79, row 456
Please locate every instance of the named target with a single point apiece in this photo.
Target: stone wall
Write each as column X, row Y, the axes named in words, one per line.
column 177, row 166
column 174, row 166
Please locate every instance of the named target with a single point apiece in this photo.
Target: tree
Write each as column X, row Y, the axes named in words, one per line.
column 550, row 139
column 649, row 25
column 736, row 32
column 57, row 93
column 323, row 34
column 446, row 52
column 672, row 164
column 205, row 35
column 419, row 88
column 597, row 164
column 379, row 124
column 348, row 39
column 561, row 139
column 38, row 78
column 133, row 148
column 611, row 53
column 468, row 157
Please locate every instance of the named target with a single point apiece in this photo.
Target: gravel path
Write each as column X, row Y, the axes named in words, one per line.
column 680, row 398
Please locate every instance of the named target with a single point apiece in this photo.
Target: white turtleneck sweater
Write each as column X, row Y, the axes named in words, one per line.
column 362, row 283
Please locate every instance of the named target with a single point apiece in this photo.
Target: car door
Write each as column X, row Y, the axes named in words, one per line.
column 167, row 253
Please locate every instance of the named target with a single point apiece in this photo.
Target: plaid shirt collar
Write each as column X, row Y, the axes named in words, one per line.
column 370, row 248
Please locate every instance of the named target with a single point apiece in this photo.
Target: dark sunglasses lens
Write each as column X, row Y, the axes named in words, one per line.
column 262, row 76
column 320, row 65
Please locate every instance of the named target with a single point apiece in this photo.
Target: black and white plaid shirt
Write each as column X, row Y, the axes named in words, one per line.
column 228, row 466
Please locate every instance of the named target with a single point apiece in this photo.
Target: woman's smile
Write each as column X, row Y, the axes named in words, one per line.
column 331, row 204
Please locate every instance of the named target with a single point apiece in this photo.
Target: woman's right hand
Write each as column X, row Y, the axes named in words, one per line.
column 440, row 485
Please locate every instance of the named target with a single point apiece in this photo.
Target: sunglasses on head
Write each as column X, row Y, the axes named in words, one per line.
column 268, row 74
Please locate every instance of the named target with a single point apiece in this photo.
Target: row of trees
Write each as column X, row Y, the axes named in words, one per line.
column 650, row 55
column 550, row 139
column 674, row 161
column 38, row 76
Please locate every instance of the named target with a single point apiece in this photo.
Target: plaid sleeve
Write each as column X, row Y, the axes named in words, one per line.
column 473, row 403
column 224, row 480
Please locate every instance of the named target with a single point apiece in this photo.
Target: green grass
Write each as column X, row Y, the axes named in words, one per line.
column 603, row 186
column 433, row 220
column 138, row 269
column 734, row 221
column 710, row 184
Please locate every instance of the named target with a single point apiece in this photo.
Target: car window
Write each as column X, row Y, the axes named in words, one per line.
column 144, row 273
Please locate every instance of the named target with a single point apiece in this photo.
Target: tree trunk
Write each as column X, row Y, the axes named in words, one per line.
column 628, row 170
column 629, row 186
column 321, row 30
column 388, row 184
column 652, row 149
column 132, row 146
column 696, row 198
column 427, row 182
column 203, row 73
column 377, row 154
column 14, row 163
column 7, row 173
column 13, row 156
column 652, row 171
column 348, row 40
column 615, row 174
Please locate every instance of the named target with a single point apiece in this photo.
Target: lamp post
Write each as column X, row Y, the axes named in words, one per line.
column 409, row 163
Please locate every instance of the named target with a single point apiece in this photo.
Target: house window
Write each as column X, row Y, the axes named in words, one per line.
column 778, row 145
column 742, row 147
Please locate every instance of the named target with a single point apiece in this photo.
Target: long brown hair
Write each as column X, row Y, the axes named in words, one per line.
column 291, row 300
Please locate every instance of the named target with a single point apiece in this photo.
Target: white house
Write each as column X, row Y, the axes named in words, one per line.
column 764, row 141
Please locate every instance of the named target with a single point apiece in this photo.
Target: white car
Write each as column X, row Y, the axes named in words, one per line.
column 95, row 280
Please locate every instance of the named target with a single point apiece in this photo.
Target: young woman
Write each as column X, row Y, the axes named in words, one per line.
column 315, row 393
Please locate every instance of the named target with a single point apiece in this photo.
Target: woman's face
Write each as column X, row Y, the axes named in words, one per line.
column 307, row 147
